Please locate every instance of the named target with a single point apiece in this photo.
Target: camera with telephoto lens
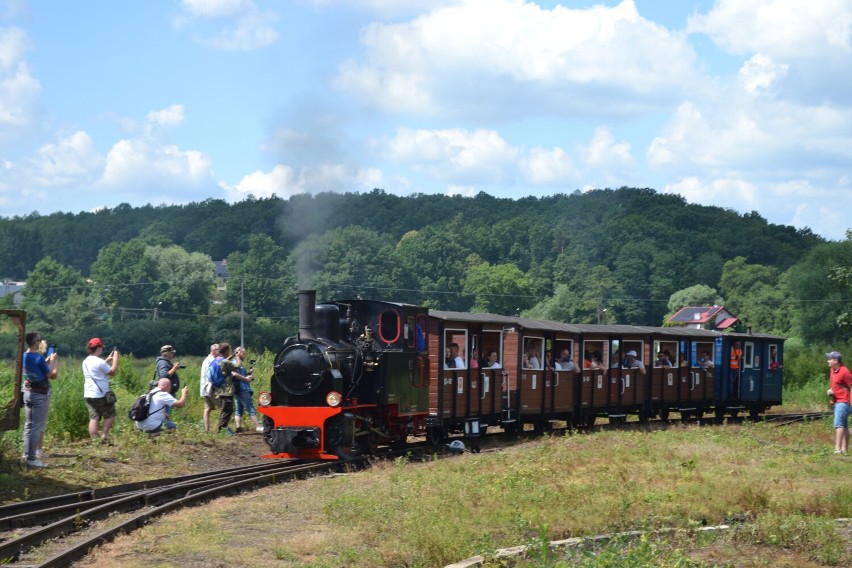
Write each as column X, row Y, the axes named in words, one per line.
column 181, row 366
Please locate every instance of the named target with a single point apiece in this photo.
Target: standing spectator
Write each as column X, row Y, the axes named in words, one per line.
column 96, row 374
column 243, row 392
column 38, row 372
column 225, row 392
column 841, row 383
column 206, row 389
column 161, row 399
column 166, row 367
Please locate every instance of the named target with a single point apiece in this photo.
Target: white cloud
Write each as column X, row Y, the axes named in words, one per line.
column 155, row 170
column 169, row 116
column 285, row 182
column 19, row 90
column 228, row 25
column 216, row 8
column 604, row 151
column 454, row 154
column 514, row 57
column 542, row 166
column 779, row 28
column 759, row 73
column 72, row 160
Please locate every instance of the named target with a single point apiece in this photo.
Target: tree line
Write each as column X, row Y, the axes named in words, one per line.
column 140, row 277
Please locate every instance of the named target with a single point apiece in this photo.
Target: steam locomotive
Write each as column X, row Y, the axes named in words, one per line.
column 364, row 373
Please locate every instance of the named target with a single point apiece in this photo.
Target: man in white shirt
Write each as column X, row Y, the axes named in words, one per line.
column 458, row 360
column 206, row 389
column 161, row 399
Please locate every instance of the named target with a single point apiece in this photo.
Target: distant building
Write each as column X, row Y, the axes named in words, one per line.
column 221, row 273
column 11, row 287
column 712, row 317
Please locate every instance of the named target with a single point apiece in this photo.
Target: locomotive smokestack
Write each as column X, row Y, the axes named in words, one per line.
column 307, row 313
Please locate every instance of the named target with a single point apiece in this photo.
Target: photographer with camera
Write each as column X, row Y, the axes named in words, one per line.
column 167, row 368
column 243, row 392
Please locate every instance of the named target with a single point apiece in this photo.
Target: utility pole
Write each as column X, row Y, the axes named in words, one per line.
column 242, row 311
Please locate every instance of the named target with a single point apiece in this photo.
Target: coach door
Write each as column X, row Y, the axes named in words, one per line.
column 533, row 381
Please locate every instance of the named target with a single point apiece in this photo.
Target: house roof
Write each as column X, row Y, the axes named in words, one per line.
column 700, row 314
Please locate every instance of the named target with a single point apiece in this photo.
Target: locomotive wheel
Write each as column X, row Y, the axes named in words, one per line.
column 435, row 435
column 369, row 442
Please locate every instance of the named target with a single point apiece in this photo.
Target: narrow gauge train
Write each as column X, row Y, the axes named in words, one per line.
column 362, row 373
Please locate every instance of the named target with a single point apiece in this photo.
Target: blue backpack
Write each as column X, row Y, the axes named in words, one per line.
column 214, row 373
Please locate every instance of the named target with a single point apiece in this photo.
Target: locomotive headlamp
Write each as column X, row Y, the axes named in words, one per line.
column 333, row 398
column 264, row 399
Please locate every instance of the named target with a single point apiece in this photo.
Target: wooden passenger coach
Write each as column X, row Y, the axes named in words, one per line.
column 686, row 370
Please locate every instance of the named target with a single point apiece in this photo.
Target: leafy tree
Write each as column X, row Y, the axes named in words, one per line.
column 698, row 295
column 498, row 289
column 429, row 266
column 186, row 280
column 125, row 277
column 817, row 298
column 50, row 283
column 754, row 294
column 262, row 280
column 590, row 296
column 348, row 262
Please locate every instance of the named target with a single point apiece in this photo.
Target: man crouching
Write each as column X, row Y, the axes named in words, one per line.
column 161, row 399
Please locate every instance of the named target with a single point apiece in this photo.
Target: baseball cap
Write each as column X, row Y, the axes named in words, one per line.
column 833, row 355
column 94, row 343
column 632, row 353
column 166, row 349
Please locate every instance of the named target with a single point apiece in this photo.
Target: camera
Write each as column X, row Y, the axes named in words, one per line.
column 181, row 366
column 252, row 361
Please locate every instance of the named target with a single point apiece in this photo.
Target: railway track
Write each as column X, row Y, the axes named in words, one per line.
column 72, row 522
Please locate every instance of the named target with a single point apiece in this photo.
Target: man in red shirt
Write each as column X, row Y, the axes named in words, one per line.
column 841, row 383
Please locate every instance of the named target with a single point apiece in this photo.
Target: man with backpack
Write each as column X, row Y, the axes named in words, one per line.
column 220, row 373
column 160, row 400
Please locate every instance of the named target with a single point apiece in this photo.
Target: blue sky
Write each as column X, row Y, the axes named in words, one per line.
column 742, row 104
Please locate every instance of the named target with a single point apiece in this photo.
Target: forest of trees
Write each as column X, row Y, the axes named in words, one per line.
column 140, row 277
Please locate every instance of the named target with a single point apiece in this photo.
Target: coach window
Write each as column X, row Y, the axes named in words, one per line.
column 636, row 346
column 492, row 342
column 594, row 353
column 774, row 360
column 389, row 327
column 666, row 354
column 749, row 358
column 455, row 342
column 702, row 355
column 563, row 355
column 533, row 352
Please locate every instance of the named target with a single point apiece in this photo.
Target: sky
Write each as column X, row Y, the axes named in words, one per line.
column 741, row 104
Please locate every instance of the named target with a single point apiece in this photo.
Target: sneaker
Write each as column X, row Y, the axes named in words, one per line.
column 39, row 454
column 259, row 429
column 228, row 431
column 36, row 463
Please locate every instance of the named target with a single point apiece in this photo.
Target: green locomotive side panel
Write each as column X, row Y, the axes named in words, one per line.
column 407, row 382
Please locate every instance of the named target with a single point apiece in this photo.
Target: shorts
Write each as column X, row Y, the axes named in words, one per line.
column 841, row 414
column 100, row 408
column 210, row 402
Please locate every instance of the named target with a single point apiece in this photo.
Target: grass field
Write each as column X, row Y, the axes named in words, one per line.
column 780, row 488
